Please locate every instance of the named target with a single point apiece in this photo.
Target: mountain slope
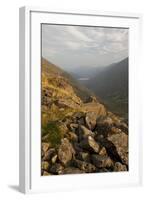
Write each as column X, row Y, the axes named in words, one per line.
column 79, row 89
column 61, row 94
column 78, row 136
column 112, row 86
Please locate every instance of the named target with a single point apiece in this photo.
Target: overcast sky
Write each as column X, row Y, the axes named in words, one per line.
column 78, row 46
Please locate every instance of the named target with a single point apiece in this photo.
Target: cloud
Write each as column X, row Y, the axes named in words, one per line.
column 79, row 35
column 70, row 46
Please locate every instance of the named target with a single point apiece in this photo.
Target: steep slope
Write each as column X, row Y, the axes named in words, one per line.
column 78, row 136
column 111, row 85
column 79, row 89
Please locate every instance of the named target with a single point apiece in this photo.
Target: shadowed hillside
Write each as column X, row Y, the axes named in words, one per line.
column 111, row 85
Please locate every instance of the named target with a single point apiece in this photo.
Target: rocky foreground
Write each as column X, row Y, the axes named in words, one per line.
column 78, row 135
column 89, row 145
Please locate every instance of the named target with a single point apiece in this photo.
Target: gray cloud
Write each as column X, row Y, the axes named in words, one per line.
column 77, row 46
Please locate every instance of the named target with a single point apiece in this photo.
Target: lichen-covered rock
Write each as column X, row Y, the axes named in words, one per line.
column 54, row 159
column 84, row 166
column 83, row 133
column 108, row 120
column 72, row 136
column 72, row 170
column 49, row 154
column 56, row 168
column 90, row 119
column 73, row 127
column 45, row 146
column 45, row 165
column 45, row 173
column 84, row 156
column 120, row 141
column 90, row 145
column 65, row 151
column 101, row 161
column 118, row 167
column 77, row 148
column 103, row 151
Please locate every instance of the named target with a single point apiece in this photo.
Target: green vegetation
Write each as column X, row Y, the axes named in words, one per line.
column 51, row 133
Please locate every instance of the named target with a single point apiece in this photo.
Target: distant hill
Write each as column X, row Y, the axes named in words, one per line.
column 111, row 85
column 85, row 71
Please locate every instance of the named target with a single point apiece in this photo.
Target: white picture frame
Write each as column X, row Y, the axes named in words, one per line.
column 30, row 178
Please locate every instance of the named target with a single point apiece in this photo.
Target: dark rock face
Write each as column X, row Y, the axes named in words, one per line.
column 90, row 145
column 56, row 168
column 101, row 161
column 84, row 166
column 49, row 154
column 72, row 136
column 83, row 156
column 72, row 170
column 120, row 141
column 83, row 133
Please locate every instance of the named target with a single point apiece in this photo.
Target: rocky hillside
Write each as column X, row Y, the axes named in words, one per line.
column 78, row 135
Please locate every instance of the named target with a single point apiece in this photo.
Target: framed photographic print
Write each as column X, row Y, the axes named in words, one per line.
column 79, row 114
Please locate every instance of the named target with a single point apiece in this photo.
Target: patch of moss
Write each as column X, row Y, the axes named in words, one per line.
column 51, row 133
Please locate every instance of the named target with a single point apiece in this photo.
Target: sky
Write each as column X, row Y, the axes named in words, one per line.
column 79, row 46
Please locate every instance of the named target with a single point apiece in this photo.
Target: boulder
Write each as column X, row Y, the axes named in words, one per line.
column 101, row 161
column 67, row 120
column 42, row 154
column 84, row 166
column 103, row 170
column 54, row 159
column 45, row 173
column 45, row 146
column 72, row 170
column 73, row 127
column 120, row 141
column 83, row 133
column 72, row 136
column 90, row 120
column 110, row 148
column 103, row 129
column 81, row 121
column 103, row 151
column 65, row 151
column 78, row 115
column 90, row 145
column 56, row 168
column 65, row 103
column 62, row 128
column 84, row 156
column 108, row 120
column 116, row 130
column 122, row 126
column 118, row 167
column 45, row 165
column 49, row 154
column 77, row 148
